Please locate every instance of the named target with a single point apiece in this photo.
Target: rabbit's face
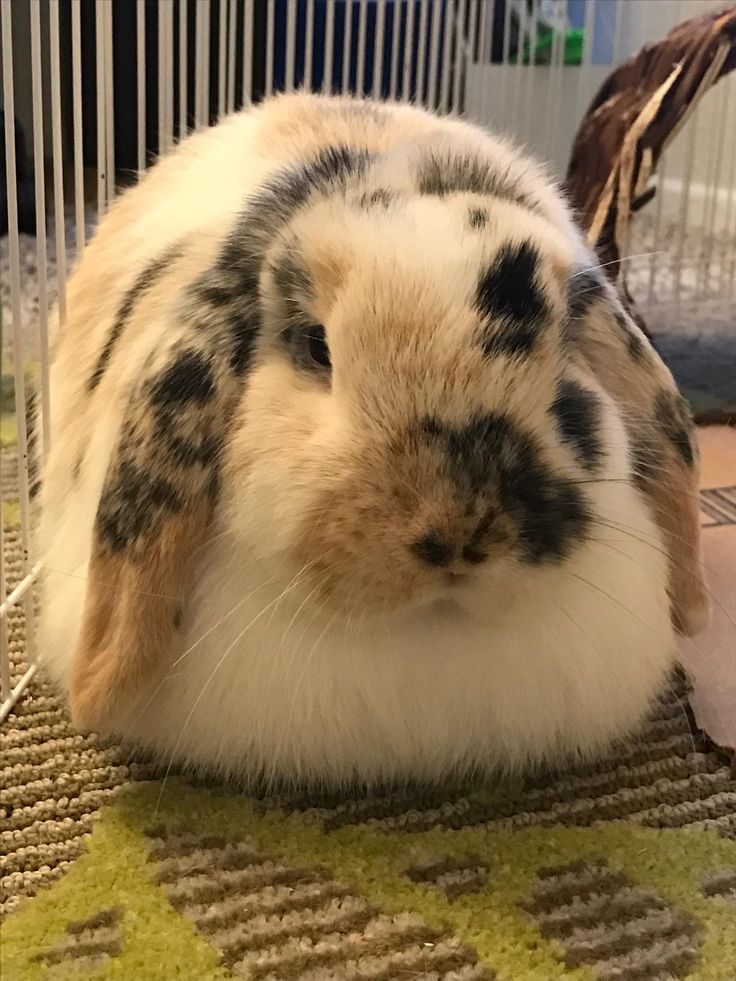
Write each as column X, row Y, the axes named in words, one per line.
column 407, row 426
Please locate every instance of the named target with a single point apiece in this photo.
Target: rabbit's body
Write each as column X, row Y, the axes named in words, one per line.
column 433, row 545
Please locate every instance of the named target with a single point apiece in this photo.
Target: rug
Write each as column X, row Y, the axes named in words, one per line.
column 621, row 870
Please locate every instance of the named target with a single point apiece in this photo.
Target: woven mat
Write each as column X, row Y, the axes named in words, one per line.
column 623, row 870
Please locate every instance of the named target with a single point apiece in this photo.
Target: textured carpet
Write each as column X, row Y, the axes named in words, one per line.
column 623, row 870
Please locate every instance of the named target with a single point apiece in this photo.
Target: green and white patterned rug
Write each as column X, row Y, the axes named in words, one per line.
column 216, row 886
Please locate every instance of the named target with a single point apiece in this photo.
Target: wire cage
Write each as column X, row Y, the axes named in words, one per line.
column 94, row 90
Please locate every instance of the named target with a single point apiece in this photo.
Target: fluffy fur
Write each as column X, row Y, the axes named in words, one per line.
column 360, row 469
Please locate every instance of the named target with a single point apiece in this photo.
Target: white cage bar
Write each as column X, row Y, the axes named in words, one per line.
column 114, row 83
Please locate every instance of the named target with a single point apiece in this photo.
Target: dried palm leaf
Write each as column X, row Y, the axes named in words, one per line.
column 637, row 112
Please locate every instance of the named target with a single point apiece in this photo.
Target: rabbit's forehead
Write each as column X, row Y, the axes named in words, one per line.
column 379, row 248
column 378, row 220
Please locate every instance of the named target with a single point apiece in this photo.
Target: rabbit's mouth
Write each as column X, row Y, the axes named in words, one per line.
column 446, row 606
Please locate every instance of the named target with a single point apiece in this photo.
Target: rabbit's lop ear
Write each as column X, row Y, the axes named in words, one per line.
column 153, row 514
column 663, row 447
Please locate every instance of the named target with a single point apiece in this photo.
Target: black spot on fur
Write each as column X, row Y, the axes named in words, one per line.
column 283, row 195
column 291, row 277
column 635, row 346
column 673, row 414
column 228, row 314
column 577, row 413
column 243, row 340
column 511, row 301
column 215, row 294
column 477, row 218
column 131, row 504
column 584, row 288
column 187, row 379
column 142, row 284
column 188, row 431
column 440, row 174
column 476, row 548
column 379, row 198
column 294, row 288
column 587, row 288
column 190, row 452
column 433, row 550
column 492, row 456
column 474, row 555
column 634, row 315
column 634, row 343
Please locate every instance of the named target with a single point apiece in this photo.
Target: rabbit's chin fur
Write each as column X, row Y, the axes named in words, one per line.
column 527, row 665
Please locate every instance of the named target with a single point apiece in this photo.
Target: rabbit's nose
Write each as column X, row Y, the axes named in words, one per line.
column 433, row 550
column 437, row 551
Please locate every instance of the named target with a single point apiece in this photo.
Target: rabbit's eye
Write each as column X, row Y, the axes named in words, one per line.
column 308, row 348
column 317, row 348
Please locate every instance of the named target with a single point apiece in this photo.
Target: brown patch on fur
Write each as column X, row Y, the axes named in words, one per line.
column 358, row 539
column 353, row 542
column 670, row 486
column 677, row 512
column 128, row 627
column 328, row 269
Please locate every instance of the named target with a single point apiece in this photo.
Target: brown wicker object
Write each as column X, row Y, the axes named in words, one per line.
column 637, row 112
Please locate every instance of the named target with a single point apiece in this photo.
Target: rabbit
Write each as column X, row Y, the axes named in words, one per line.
column 360, row 468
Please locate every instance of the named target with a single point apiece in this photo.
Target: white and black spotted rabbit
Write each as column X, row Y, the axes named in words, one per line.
column 360, row 469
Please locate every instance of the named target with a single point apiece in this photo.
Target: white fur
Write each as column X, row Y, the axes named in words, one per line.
column 548, row 667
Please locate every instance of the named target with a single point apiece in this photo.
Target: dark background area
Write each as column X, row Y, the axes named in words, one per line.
column 125, row 81
column 125, row 70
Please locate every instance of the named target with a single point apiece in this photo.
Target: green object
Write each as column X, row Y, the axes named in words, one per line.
column 573, row 49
